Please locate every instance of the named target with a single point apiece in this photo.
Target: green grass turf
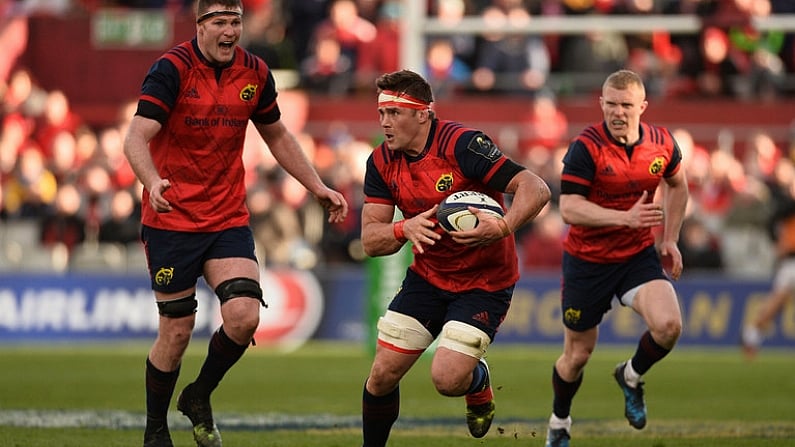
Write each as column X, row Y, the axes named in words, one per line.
column 93, row 395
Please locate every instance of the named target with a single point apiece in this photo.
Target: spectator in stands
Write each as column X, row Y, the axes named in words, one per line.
column 304, row 17
column 726, row 179
column 542, row 245
column 348, row 29
column 589, row 56
column 15, row 134
column 652, row 54
column 111, row 156
column 751, row 66
column 57, row 116
column 545, row 125
column 87, row 146
column 22, row 96
column 506, row 62
column 277, row 226
column 266, row 35
column 64, row 225
column 97, row 188
column 123, row 224
column 717, row 69
column 450, row 13
column 742, row 225
column 761, row 155
column 547, row 164
column 696, row 162
column 447, row 74
column 327, row 70
column 382, row 54
column 31, row 189
column 341, row 241
column 759, row 164
column 62, row 163
column 701, row 249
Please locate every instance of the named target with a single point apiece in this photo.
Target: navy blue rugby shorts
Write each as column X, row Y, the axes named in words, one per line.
column 176, row 258
column 433, row 307
column 589, row 288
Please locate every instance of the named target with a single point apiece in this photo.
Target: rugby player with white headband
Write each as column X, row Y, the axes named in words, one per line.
column 185, row 144
column 460, row 284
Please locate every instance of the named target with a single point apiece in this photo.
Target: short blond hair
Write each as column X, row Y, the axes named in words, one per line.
column 623, row 79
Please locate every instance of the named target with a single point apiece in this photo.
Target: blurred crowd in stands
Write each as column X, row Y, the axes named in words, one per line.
column 71, row 184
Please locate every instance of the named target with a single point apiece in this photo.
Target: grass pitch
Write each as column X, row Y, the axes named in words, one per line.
column 94, row 396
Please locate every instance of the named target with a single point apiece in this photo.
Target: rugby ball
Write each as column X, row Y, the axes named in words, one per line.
column 453, row 214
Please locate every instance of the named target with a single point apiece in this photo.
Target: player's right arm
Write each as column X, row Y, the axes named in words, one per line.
column 380, row 238
column 136, row 149
column 575, row 187
column 293, row 159
column 578, row 210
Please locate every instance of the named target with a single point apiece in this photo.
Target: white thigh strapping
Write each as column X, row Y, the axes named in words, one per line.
column 464, row 338
column 402, row 332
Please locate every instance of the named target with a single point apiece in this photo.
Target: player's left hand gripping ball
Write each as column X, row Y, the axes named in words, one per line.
column 454, row 215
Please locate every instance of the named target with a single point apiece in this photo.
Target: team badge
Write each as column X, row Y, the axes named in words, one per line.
column 572, row 316
column 656, row 166
column 248, row 92
column 164, row 275
column 445, row 182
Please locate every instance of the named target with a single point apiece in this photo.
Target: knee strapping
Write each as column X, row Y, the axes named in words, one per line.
column 239, row 287
column 403, row 332
column 178, row 308
column 464, row 338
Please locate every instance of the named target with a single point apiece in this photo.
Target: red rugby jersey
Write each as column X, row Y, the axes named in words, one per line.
column 453, row 160
column 204, row 110
column 603, row 169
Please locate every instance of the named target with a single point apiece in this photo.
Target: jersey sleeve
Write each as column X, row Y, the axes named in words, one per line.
column 676, row 160
column 578, row 170
column 267, row 109
column 375, row 188
column 159, row 91
column 480, row 158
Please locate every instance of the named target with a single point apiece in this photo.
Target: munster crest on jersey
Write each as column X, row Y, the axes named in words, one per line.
column 445, row 182
column 656, row 166
column 248, row 92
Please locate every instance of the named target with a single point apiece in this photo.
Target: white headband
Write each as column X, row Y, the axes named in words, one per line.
column 388, row 98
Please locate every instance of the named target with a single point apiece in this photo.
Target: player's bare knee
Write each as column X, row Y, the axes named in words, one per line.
column 464, row 338
column 241, row 317
column 382, row 380
column 241, row 330
column 180, row 339
column 177, row 332
column 575, row 360
column 667, row 333
column 450, row 385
